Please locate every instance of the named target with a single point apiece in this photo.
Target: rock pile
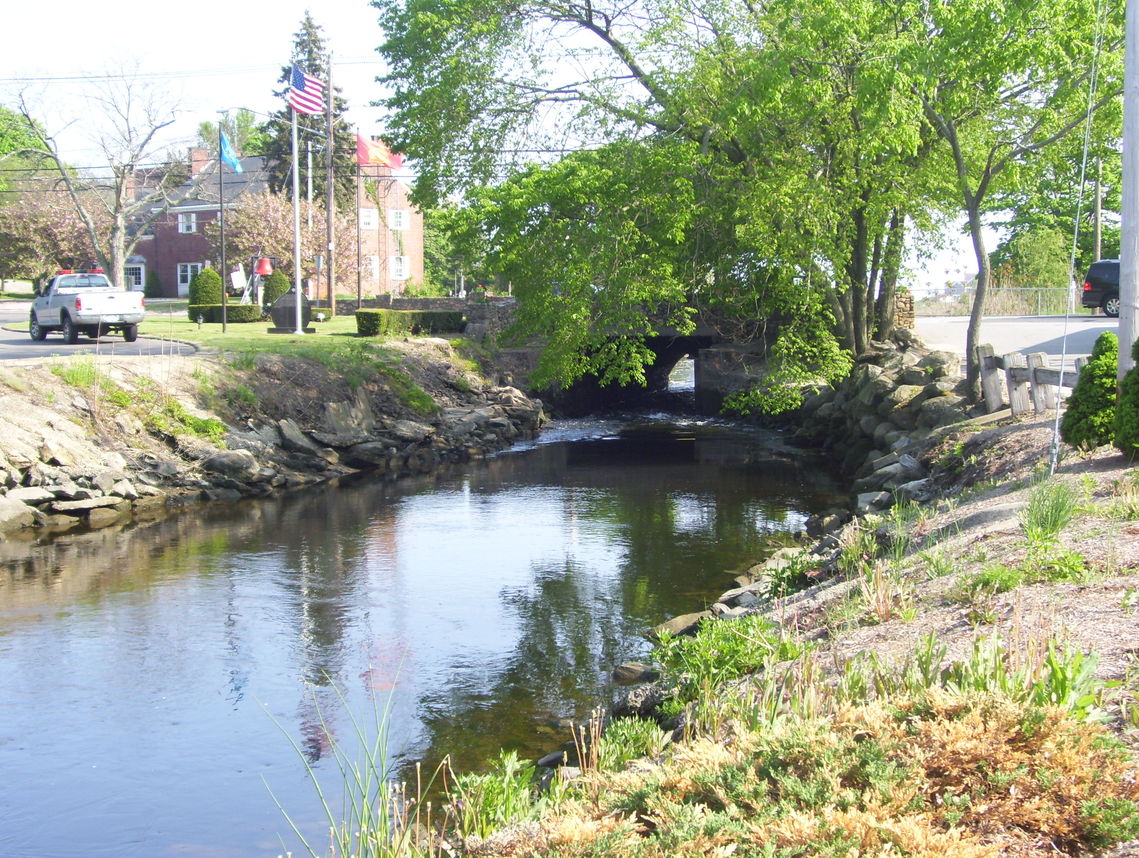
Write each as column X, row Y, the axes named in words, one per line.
column 873, row 422
column 56, row 474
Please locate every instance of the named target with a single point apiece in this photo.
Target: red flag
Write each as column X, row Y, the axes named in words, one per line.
column 375, row 151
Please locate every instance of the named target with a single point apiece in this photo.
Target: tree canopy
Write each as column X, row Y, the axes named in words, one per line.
column 809, row 137
column 117, row 203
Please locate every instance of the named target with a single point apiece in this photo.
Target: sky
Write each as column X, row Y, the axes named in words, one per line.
column 206, row 56
column 222, row 55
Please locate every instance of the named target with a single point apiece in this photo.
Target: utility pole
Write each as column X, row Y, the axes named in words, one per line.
column 1129, row 225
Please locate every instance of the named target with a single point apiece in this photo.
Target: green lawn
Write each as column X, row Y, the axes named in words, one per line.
column 173, row 322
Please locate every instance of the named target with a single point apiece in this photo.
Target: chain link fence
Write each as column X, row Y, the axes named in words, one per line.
column 1006, row 301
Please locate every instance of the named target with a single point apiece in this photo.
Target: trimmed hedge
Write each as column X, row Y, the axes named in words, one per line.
column 383, row 322
column 274, row 286
column 205, row 287
column 211, row 313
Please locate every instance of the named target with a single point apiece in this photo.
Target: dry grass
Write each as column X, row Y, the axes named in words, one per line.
column 936, row 775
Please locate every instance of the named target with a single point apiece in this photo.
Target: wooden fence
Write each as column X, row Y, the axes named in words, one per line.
column 1030, row 383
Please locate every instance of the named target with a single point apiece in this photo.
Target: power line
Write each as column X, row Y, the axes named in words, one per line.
column 167, row 75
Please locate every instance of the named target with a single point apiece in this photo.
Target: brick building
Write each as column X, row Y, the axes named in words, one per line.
column 389, row 244
column 390, row 240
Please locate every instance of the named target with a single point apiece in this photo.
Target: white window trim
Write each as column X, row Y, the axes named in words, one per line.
column 368, row 219
column 137, row 283
column 189, row 269
column 398, row 219
column 400, row 267
column 187, row 222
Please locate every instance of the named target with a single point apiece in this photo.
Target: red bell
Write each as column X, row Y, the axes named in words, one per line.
column 264, row 267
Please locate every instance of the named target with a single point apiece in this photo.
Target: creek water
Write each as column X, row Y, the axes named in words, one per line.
column 165, row 686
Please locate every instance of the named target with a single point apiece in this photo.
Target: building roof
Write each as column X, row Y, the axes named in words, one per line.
column 253, row 178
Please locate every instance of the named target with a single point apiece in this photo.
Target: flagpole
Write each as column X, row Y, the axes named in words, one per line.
column 330, row 196
column 359, row 258
column 296, row 224
column 221, row 223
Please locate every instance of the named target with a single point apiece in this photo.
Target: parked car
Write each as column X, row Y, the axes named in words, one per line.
column 1101, row 287
column 85, row 302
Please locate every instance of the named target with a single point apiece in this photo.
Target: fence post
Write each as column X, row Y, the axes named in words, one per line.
column 990, row 379
column 1043, row 395
column 1017, row 380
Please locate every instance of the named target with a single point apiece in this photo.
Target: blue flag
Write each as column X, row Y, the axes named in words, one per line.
column 228, row 156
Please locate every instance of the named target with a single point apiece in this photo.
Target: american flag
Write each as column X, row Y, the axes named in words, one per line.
column 306, row 94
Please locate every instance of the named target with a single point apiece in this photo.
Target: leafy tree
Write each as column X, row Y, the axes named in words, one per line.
column 310, row 53
column 118, row 204
column 1040, row 257
column 205, row 287
column 242, row 130
column 1061, row 186
column 611, row 233
column 824, row 129
column 262, row 225
column 1001, row 89
column 40, row 230
column 803, row 164
column 1089, row 414
column 17, row 141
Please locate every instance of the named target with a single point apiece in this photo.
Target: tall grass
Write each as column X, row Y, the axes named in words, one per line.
column 1051, row 507
column 376, row 817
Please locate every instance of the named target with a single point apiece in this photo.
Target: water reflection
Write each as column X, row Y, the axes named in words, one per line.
column 142, row 669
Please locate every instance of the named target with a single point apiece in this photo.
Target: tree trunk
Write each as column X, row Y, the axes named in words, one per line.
column 973, row 335
column 884, row 310
column 856, row 279
column 840, row 304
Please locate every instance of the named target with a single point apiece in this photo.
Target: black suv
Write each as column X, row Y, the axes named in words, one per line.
column 1101, row 287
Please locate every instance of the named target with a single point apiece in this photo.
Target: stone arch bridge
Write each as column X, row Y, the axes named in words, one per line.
column 721, row 367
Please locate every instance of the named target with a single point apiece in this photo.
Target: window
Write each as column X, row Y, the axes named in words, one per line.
column 186, row 272
column 400, row 267
column 398, row 219
column 373, row 265
column 132, row 274
column 187, row 222
column 367, row 218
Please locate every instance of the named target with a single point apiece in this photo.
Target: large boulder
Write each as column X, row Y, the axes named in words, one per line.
column 15, row 514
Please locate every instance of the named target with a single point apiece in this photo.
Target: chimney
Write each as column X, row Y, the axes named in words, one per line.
column 199, row 157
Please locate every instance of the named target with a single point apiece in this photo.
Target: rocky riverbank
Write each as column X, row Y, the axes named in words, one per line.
column 95, row 441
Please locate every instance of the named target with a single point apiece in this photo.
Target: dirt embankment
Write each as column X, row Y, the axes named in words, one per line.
column 92, row 441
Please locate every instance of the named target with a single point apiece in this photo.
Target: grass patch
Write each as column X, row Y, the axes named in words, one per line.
column 1051, row 507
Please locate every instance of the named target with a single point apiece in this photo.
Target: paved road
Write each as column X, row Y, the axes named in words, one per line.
column 15, row 344
column 1026, row 334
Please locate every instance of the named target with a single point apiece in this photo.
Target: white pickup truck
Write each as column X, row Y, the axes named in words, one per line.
column 86, row 302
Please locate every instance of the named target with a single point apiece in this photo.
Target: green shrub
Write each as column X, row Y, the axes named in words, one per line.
column 275, row 285
column 205, row 288
column 212, row 313
column 153, row 287
column 1127, row 411
column 386, row 323
column 1089, row 415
